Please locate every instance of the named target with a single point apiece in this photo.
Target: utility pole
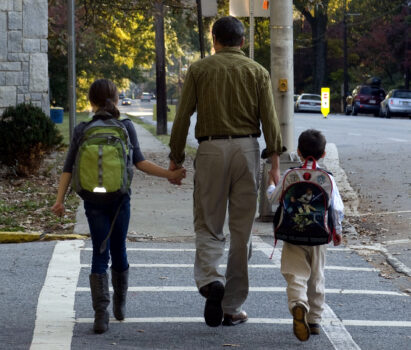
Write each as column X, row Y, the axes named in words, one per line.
column 200, row 28
column 282, row 79
column 71, row 65
column 160, row 69
column 282, row 67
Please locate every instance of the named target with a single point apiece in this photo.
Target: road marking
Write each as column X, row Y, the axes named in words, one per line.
column 325, row 323
column 185, row 250
column 336, row 332
column 254, row 289
column 396, row 140
column 385, row 213
column 55, row 317
column 262, row 266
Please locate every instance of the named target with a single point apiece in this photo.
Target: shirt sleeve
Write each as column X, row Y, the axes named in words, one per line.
column 337, row 206
column 268, row 117
column 185, row 110
column 137, row 154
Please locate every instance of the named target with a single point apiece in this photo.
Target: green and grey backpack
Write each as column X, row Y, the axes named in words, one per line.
column 103, row 168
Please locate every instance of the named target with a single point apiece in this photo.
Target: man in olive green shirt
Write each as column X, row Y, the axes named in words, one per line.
column 232, row 95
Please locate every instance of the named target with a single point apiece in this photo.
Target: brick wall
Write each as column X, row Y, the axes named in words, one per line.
column 23, row 53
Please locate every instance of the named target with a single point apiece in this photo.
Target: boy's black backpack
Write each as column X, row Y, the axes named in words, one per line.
column 304, row 216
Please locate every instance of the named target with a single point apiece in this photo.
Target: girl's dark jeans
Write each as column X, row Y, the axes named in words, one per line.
column 100, row 217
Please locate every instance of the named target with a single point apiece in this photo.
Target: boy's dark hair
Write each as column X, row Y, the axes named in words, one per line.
column 103, row 94
column 228, row 31
column 311, row 143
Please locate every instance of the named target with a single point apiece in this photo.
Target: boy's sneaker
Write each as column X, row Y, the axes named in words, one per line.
column 315, row 328
column 300, row 325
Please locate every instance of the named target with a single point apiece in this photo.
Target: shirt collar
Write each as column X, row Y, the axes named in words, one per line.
column 229, row 49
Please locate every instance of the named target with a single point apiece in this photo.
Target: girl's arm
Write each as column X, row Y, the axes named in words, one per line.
column 58, row 207
column 153, row 169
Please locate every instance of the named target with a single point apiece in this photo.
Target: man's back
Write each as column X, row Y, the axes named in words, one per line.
column 227, row 88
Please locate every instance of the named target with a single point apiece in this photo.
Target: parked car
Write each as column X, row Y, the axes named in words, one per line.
column 365, row 99
column 397, row 101
column 308, row 102
column 146, row 97
column 126, row 101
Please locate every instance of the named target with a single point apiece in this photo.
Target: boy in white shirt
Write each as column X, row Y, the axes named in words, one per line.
column 303, row 265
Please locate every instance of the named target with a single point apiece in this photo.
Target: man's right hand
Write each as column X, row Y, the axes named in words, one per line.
column 173, row 167
column 274, row 173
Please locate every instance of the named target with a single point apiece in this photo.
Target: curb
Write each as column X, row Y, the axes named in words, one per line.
column 24, row 237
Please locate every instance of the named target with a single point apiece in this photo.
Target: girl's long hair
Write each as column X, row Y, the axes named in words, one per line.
column 103, row 94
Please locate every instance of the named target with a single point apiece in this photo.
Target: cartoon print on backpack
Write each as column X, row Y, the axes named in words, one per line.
column 304, row 206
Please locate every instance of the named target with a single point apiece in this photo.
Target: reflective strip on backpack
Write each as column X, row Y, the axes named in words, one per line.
column 100, row 165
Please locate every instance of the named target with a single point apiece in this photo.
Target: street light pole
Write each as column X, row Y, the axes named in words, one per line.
column 345, row 92
column 71, row 66
column 200, row 28
column 160, row 69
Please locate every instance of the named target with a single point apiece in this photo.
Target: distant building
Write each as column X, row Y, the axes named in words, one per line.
column 23, row 53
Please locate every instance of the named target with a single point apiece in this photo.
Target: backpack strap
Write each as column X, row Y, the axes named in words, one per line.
column 314, row 164
column 103, row 246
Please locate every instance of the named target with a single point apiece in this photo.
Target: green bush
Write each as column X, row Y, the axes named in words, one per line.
column 26, row 136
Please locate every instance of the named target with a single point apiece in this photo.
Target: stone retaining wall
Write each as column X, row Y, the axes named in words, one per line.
column 23, row 53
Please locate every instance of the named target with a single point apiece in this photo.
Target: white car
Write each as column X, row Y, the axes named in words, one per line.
column 397, row 101
column 309, row 103
column 146, row 97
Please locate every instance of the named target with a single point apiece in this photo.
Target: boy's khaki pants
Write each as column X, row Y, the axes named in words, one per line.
column 303, row 269
column 226, row 173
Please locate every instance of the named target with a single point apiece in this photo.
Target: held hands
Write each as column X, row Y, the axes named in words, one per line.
column 177, row 173
column 58, row 209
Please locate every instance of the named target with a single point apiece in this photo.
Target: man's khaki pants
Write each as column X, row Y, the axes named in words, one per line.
column 226, row 173
column 303, row 269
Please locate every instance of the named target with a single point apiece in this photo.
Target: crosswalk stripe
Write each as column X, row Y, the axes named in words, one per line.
column 186, row 250
column 325, row 322
column 261, row 266
column 55, row 308
column 253, row 289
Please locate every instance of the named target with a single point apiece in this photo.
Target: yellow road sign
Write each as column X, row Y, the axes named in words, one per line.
column 325, row 101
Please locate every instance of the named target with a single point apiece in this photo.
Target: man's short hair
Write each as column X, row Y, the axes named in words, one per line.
column 312, row 143
column 228, row 31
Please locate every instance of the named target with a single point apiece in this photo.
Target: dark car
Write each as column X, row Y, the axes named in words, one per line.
column 397, row 101
column 126, row 102
column 365, row 99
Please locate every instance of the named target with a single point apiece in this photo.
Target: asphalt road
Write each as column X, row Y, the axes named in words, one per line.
column 50, row 280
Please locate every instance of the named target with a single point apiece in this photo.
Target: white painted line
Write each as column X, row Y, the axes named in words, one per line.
column 336, row 333
column 358, row 323
column 385, row 213
column 396, row 140
column 398, row 241
column 262, row 266
column 255, row 289
column 184, row 250
column 55, row 317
